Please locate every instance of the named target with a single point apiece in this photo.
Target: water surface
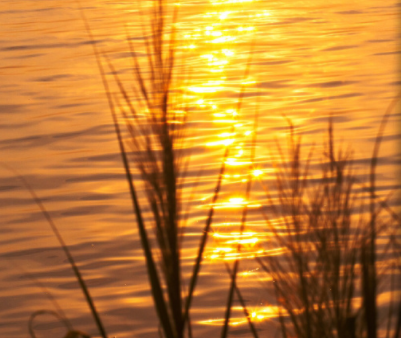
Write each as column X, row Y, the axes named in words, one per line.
column 308, row 60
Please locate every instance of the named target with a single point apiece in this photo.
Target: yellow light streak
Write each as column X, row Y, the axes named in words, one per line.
column 204, row 89
column 257, row 172
column 224, row 15
column 207, row 56
column 223, row 39
column 233, row 162
column 218, row 63
column 240, row 153
column 227, row 52
column 227, row 134
column 234, row 234
column 243, row 241
column 237, row 200
column 219, row 322
column 224, row 2
column 226, row 142
column 223, row 121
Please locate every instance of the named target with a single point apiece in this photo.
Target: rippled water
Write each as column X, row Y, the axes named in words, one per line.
column 309, row 60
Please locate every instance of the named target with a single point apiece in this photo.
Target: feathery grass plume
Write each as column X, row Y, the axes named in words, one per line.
column 325, row 239
column 314, row 277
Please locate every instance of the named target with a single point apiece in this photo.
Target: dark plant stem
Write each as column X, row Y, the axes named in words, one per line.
column 74, row 267
column 369, row 274
column 242, row 302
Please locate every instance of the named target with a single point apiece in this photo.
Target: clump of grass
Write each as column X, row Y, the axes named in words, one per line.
column 330, row 256
column 156, row 133
column 317, row 228
column 157, row 143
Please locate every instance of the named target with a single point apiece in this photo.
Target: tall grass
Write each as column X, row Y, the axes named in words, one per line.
column 314, row 278
column 329, row 240
column 155, row 122
column 156, row 133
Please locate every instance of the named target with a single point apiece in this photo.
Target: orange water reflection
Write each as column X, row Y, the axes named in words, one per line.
column 226, row 245
column 311, row 60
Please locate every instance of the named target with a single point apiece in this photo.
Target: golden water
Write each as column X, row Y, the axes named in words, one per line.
column 308, row 60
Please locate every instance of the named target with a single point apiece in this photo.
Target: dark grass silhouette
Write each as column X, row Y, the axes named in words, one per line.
column 329, row 240
column 314, row 277
column 157, row 142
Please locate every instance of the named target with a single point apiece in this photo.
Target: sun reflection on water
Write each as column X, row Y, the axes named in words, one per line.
column 226, row 243
column 256, row 314
column 218, row 46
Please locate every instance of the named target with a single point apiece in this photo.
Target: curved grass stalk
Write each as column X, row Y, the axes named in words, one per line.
column 71, row 260
column 368, row 254
column 325, row 281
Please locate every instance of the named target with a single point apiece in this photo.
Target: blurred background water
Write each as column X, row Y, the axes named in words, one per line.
column 309, row 60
